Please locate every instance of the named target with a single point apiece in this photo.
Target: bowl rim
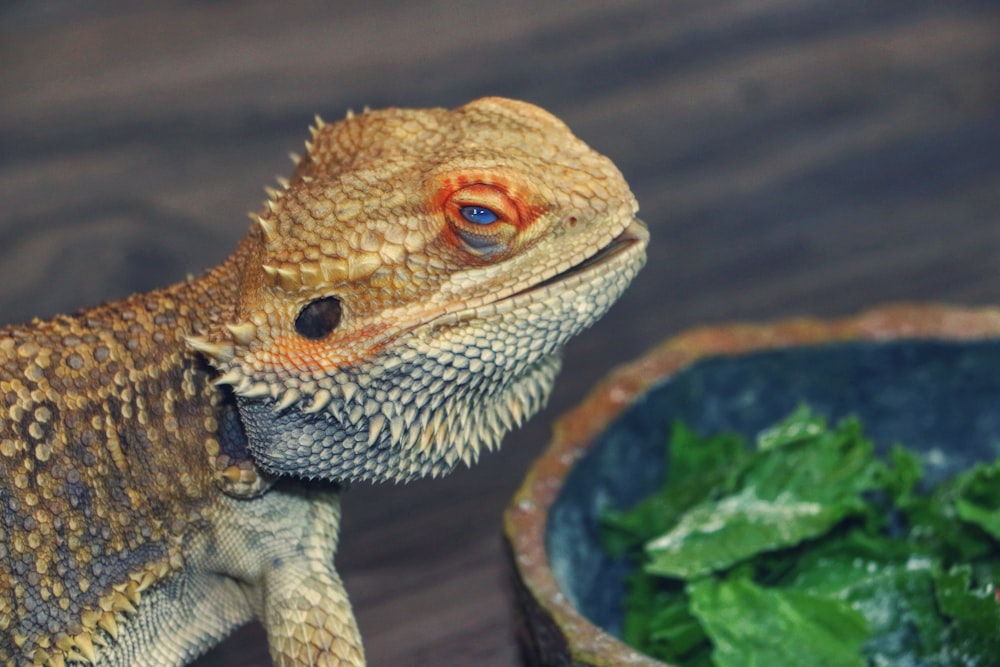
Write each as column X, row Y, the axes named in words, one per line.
column 577, row 429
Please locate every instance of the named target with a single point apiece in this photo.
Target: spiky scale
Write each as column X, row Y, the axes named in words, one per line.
column 335, row 408
column 123, row 605
column 233, row 376
column 267, row 230
column 89, row 618
column 109, row 623
column 284, row 277
column 243, row 333
column 396, row 425
column 131, row 591
column 85, row 646
column 145, row 580
column 375, row 425
column 255, row 390
column 220, row 352
column 321, row 399
column 288, row 399
column 468, row 456
column 243, row 385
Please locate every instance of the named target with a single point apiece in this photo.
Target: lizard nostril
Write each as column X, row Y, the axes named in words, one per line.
column 318, row 318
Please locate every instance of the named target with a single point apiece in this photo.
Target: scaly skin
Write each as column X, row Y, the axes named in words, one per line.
column 169, row 464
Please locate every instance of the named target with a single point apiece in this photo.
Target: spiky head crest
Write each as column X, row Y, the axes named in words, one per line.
column 406, row 292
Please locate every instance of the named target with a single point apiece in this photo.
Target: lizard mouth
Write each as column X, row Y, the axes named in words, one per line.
column 624, row 252
column 634, row 234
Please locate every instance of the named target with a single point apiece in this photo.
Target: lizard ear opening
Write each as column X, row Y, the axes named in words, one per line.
column 318, row 318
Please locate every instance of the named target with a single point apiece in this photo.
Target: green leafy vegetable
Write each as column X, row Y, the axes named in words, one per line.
column 695, row 467
column 751, row 625
column 979, row 502
column 809, row 550
column 801, row 481
column 896, row 598
column 973, row 636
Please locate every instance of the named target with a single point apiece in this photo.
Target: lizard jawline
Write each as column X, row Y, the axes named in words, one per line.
column 634, row 233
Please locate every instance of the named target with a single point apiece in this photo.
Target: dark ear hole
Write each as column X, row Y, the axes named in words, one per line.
column 319, row 318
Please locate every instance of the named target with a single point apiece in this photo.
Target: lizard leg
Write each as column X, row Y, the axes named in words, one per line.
column 298, row 595
column 309, row 620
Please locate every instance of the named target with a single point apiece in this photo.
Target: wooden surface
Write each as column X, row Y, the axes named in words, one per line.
column 789, row 157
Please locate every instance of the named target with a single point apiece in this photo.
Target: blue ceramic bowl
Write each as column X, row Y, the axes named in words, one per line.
column 926, row 376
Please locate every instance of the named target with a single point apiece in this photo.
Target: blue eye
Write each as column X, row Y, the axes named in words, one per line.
column 478, row 215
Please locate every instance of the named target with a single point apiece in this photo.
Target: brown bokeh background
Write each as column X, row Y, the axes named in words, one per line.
column 789, row 156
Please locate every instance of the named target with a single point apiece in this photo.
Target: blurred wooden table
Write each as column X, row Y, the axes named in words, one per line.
column 789, row 156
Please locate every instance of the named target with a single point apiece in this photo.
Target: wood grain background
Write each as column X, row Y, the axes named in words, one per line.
column 790, row 156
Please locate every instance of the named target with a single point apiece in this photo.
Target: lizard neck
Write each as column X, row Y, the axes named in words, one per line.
column 204, row 303
column 112, row 428
column 115, row 392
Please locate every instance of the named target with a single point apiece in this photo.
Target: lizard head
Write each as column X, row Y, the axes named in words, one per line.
column 405, row 295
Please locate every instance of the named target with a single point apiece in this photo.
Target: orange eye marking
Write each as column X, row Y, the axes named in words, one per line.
column 485, row 215
column 308, row 357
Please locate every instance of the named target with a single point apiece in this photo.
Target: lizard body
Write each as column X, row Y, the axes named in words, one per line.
column 169, row 463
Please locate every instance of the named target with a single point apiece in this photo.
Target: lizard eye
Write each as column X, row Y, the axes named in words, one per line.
column 318, row 318
column 484, row 217
column 478, row 215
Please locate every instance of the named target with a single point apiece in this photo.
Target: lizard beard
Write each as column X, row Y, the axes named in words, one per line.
column 406, row 424
column 441, row 393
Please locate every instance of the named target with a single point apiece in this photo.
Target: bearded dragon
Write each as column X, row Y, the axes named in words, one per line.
column 171, row 464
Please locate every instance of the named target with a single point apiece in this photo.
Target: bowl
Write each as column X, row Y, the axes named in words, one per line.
column 924, row 375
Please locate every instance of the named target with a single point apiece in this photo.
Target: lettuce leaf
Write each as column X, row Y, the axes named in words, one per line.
column 973, row 637
column 978, row 502
column 696, row 467
column 808, row 550
column 753, row 626
column 802, row 480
